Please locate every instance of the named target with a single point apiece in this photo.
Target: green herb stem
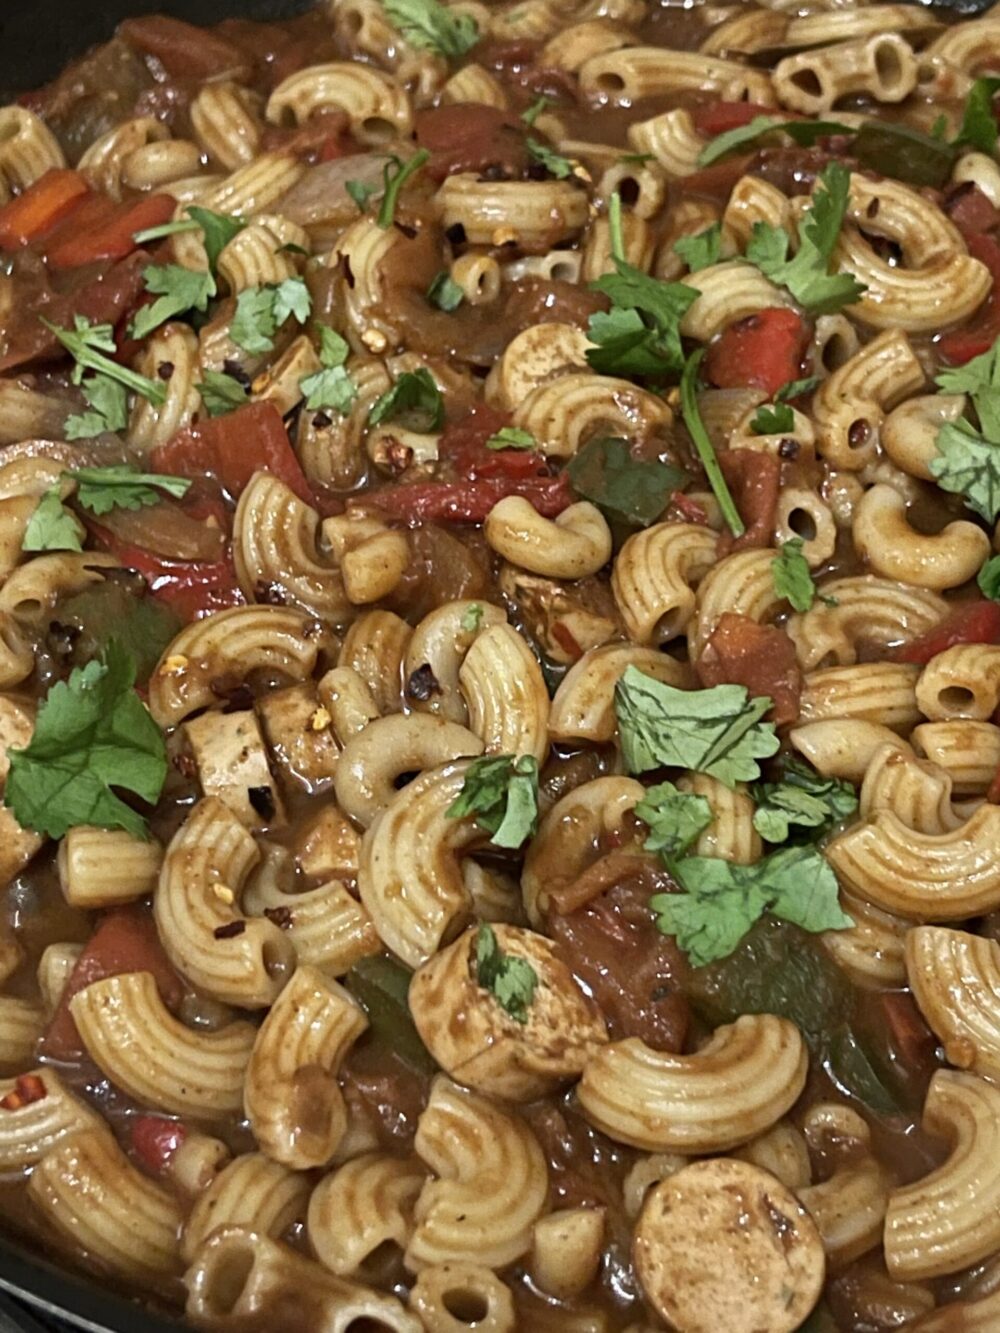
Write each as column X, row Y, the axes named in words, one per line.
column 703, row 445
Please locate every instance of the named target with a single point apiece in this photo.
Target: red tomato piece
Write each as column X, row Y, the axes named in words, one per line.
column 760, row 657
column 979, row 336
column 719, row 117
column 42, row 205
column 192, row 589
column 469, row 501
column 124, row 941
column 470, row 136
column 28, row 1088
column 762, row 351
column 463, row 447
column 155, row 1139
column 971, row 211
column 232, row 448
column 101, row 229
column 973, row 622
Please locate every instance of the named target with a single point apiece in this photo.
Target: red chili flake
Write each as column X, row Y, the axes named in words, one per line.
column 28, row 1088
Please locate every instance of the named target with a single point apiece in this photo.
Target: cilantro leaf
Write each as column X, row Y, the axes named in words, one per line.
column 703, row 444
column 221, row 393
column 675, row 819
column 178, row 290
column 332, row 388
column 641, row 334
column 554, row 163
column 980, row 379
column 806, row 275
column 445, row 293
column 988, row 579
column 218, row 230
column 414, row 399
column 772, row 419
column 361, row 192
column 92, row 733
column 511, row 980
column 532, row 113
column 802, row 798
column 722, row 901
column 968, row 465
column 625, row 489
column 394, row 177
column 261, row 311
column 502, row 792
column 796, row 388
column 101, row 489
column 804, row 132
column 979, row 125
column 792, row 576
column 87, row 344
column 717, row 731
column 472, row 617
column 432, row 26
column 108, row 409
column 511, row 437
column 701, row 250
column 53, row 527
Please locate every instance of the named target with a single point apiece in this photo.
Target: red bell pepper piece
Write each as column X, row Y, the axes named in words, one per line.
column 975, row 339
column 101, row 229
column 762, row 351
column 973, row 622
column 463, row 449
column 719, row 117
column 155, row 1139
column 191, row 588
column 183, row 50
column 232, row 448
column 760, row 657
column 124, row 941
column 42, row 205
column 469, row 501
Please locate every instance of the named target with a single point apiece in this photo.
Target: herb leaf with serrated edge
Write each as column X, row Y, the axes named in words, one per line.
column 108, row 402
column 531, row 113
column 177, row 290
column 415, row 398
column 502, row 793
column 988, row 579
column 431, row 26
column 803, row 798
column 393, row 184
column 332, row 388
column 641, row 334
column 554, row 163
column 92, row 733
column 701, row 250
column 772, row 419
column 261, row 312
column 721, row 901
column 792, row 576
column 806, row 275
column 87, row 343
column 511, row 980
column 625, row 489
column 675, row 819
column 53, row 527
column 121, row 486
column 218, row 230
column 718, row 731
column 445, row 293
column 804, row 132
column 979, row 127
column 512, row 437
column 968, row 465
column 221, row 394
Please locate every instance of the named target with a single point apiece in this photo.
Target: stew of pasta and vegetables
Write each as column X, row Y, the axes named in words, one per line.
column 500, row 668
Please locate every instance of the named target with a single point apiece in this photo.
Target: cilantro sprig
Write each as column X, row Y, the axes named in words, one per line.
column 414, row 399
column 501, row 791
column 701, row 250
column 806, row 274
column 88, row 344
column 445, row 293
column 217, row 229
column 802, row 799
column 107, row 403
column 968, row 459
column 803, row 132
column 554, row 163
column 979, row 126
column 221, row 393
column 718, row 731
column 394, row 177
column 331, row 389
column 703, row 445
column 92, row 735
column 512, row 437
column 512, row 981
column 433, row 27
column 792, row 576
column 177, row 290
column 262, row 311
column 675, row 819
column 101, row 489
column 53, row 527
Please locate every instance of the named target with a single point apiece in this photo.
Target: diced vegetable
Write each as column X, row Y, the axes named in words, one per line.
column 762, row 351
column 973, row 622
column 759, row 657
column 155, row 1139
column 101, row 229
column 470, row 501
column 381, row 986
column 39, row 208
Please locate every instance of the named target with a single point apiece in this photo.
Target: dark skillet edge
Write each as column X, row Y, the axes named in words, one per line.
column 61, row 1293
column 26, row 62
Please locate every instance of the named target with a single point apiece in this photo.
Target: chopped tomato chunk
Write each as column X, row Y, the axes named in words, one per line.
column 470, row 136
column 760, row 657
column 469, row 501
column 155, row 1139
column 124, row 941
column 971, row 211
column 718, row 117
column 101, row 229
column 974, row 622
column 755, row 480
column 28, row 1088
column 232, row 448
column 191, row 588
column 762, row 351
column 45, row 203
column 978, row 336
